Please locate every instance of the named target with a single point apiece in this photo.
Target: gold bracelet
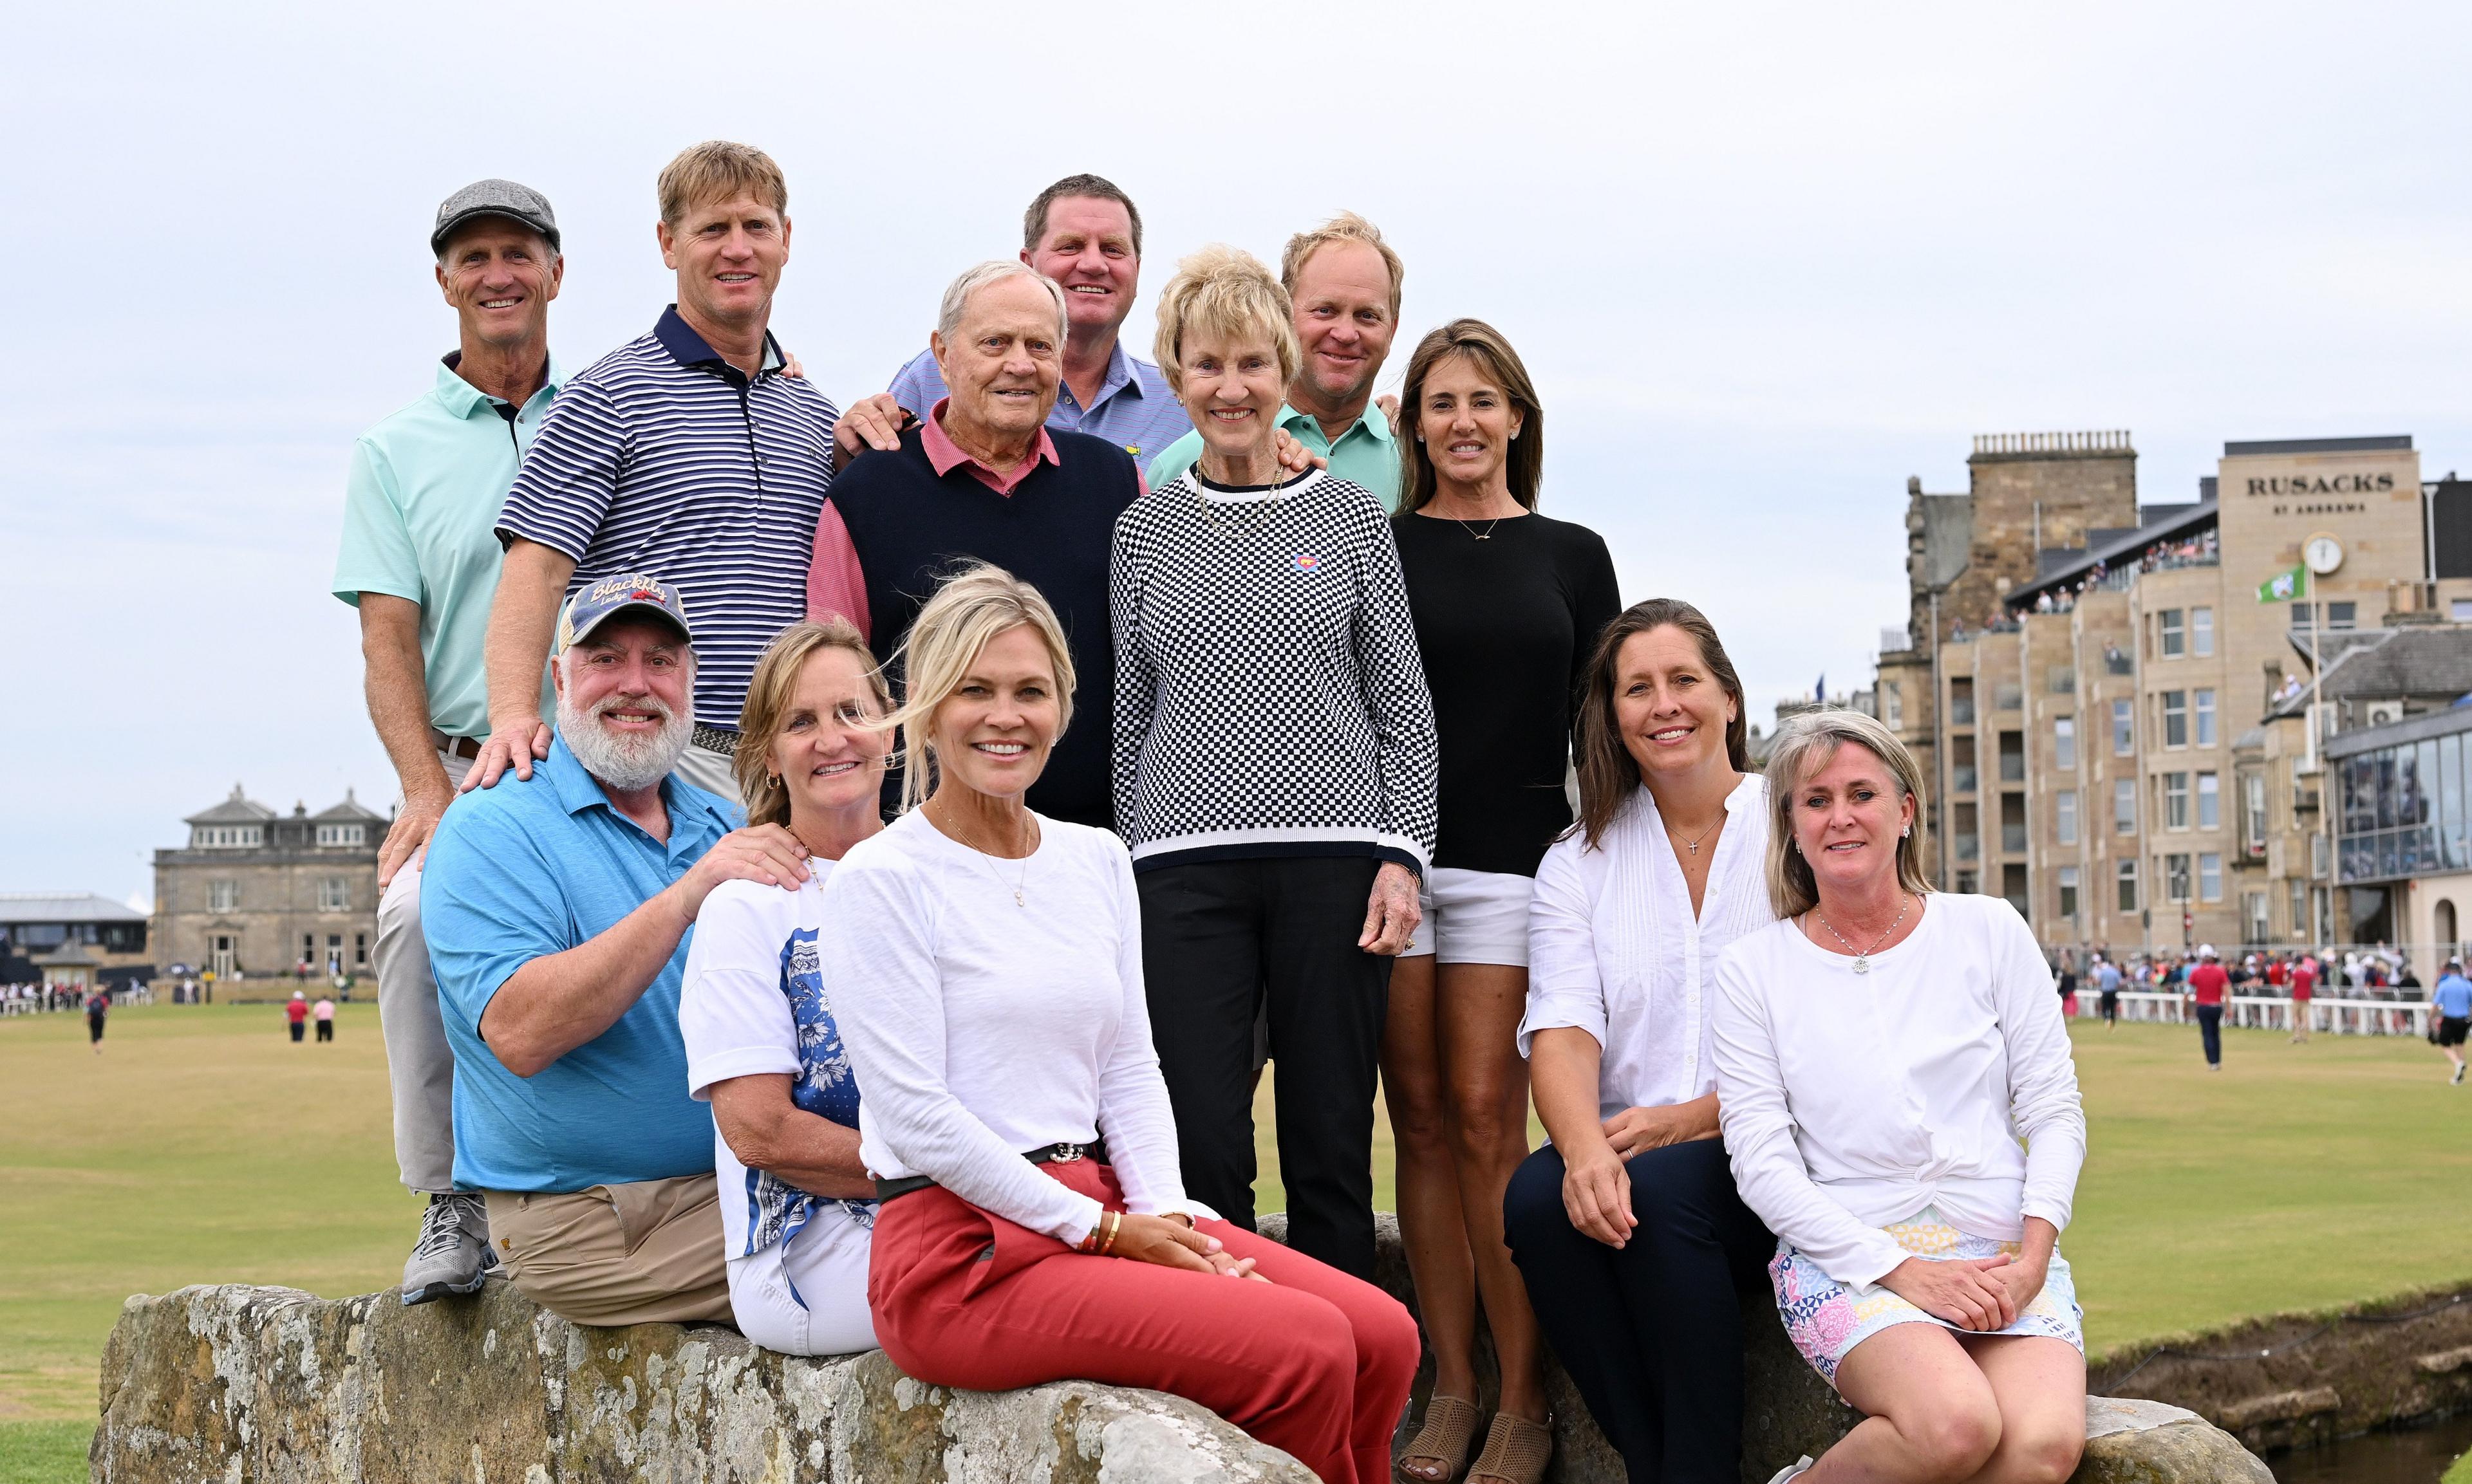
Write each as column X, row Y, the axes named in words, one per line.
column 1090, row 1243
column 1114, row 1221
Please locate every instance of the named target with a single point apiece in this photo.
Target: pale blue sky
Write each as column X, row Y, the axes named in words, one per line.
column 1765, row 261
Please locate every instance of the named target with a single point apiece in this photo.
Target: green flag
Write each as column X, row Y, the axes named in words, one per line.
column 2284, row 586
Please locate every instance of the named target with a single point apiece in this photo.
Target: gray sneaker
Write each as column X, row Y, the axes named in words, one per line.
column 453, row 1255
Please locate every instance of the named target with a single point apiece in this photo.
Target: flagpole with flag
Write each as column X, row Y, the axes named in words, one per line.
column 2284, row 587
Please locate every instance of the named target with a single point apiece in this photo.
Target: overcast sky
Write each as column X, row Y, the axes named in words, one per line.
column 1765, row 261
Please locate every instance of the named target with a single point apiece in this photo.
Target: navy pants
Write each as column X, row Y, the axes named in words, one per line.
column 2210, row 1032
column 1651, row 1334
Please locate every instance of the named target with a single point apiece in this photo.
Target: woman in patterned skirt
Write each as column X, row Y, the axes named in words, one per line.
column 762, row 1046
column 1901, row 1109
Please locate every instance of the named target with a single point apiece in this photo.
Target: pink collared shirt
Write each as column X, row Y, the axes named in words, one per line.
column 835, row 582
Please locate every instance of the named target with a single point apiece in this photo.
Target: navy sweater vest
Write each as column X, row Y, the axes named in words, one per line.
column 911, row 528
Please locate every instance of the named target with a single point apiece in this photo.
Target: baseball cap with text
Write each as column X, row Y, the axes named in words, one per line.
column 609, row 598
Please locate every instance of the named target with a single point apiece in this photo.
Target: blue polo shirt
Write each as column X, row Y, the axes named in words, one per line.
column 418, row 506
column 1134, row 408
column 663, row 457
column 2452, row 997
column 525, row 871
column 1365, row 454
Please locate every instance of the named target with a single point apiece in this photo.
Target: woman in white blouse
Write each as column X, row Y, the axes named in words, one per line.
column 1902, row 1111
column 1626, row 1227
column 1033, row 1225
column 757, row 1016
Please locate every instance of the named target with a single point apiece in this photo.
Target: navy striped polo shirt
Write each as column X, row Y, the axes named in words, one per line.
column 664, row 458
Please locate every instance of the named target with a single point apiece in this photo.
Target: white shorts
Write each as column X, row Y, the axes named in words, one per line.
column 826, row 1263
column 1474, row 917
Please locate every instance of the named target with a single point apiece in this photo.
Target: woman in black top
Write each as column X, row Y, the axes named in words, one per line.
column 1507, row 604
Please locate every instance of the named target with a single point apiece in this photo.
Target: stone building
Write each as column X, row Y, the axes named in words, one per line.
column 257, row 894
column 2098, row 719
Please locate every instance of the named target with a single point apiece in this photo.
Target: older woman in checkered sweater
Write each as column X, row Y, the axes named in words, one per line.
column 1275, row 769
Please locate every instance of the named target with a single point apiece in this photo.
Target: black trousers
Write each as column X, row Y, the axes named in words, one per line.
column 1652, row 1333
column 2210, row 1032
column 297, row 1028
column 1222, row 938
column 326, row 1031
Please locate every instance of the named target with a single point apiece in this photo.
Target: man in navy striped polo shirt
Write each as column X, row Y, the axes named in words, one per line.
column 691, row 452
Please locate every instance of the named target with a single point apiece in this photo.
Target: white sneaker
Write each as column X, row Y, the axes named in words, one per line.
column 1801, row 1466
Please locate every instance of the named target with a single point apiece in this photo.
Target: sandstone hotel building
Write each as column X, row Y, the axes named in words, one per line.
column 2115, row 724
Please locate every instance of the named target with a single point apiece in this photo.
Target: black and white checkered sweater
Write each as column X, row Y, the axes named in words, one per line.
column 1269, row 700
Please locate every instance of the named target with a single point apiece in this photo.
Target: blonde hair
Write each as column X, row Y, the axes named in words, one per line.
column 972, row 607
column 1224, row 291
column 1803, row 745
column 767, row 701
column 1346, row 226
column 718, row 170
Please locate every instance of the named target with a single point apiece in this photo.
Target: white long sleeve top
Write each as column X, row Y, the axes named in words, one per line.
column 982, row 1029
column 1615, row 950
column 1852, row 1101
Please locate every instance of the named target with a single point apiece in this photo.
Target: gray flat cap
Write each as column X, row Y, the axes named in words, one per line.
column 493, row 199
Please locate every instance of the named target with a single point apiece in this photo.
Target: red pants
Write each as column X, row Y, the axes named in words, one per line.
column 1313, row 1363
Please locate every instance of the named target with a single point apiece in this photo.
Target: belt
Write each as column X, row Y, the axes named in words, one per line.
column 454, row 746
column 713, row 738
column 1048, row 1154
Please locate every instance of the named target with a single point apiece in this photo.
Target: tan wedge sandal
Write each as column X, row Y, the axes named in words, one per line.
column 1448, row 1432
column 1516, row 1452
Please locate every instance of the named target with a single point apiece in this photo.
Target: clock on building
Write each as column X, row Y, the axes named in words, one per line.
column 2323, row 553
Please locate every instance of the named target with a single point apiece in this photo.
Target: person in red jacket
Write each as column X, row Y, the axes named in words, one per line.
column 297, row 1011
column 2304, row 984
column 2207, row 982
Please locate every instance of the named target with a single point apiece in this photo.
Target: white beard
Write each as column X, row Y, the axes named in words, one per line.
column 621, row 763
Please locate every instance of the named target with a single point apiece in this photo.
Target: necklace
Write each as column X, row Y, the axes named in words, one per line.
column 1486, row 534
column 1691, row 845
column 1863, row 957
column 1261, row 509
column 1021, row 878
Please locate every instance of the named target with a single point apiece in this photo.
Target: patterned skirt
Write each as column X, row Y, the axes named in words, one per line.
column 1825, row 1319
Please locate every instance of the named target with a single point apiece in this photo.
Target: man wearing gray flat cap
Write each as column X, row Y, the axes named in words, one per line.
column 420, row 562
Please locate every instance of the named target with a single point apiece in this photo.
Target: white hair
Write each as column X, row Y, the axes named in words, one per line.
column 623, row 764
column 956, row 297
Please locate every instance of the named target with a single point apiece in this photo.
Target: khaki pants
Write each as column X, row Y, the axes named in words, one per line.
column 649, row 1252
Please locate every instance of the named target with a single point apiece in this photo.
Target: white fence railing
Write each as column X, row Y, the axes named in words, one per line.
column 2274, row 1012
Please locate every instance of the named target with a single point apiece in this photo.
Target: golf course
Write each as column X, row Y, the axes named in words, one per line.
column 204, row 1146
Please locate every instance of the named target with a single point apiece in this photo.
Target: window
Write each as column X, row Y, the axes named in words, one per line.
column 2061, row 679
column 2253, row 828
column 2012, row 886
column 360, row 950
column 1965, row 883
column 2066, row 808
column 308, row 948
column 2319, row 860
column 2170, row 640
column 2322, row 912
column 2176, row 878
column 2013, row 827
column 1961, row 702
column 2299, row 908
column 224, row 836
column 334, row 895
column 2202, row 631
column 2128, row 878
column 2260, row 929
column 2064, row 744
column 2210, row 876
column 343, row 835
column 2342, row 615
column 2123, row 806
column 2175, row 801
column 223, row 896
column 334, row 952
column 1893, row 706
column 1961, row 763
column 2013, row 757
column 2009, row 695
column 2210, row 803
column 2205, row 710
column 2124, row 729
column 1969, row 839
column 2069, row 891
column 2176, row 718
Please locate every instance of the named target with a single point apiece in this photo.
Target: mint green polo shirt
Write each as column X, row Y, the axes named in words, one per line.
column 420, row 512
column 1364, row 454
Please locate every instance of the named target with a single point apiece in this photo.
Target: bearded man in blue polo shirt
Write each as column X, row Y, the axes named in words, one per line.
column 558, row 912
column 419, row 560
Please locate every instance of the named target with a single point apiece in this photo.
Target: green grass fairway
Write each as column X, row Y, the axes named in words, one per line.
column 204, row 1147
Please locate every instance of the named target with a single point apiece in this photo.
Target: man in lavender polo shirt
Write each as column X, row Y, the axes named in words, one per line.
column 1086, row 235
